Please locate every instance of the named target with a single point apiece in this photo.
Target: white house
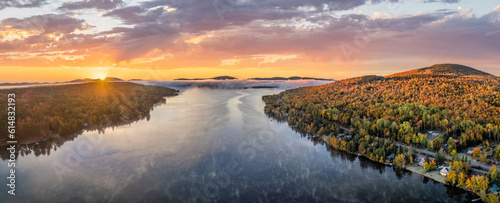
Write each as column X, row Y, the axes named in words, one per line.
column 421, row 161
column 445, row 171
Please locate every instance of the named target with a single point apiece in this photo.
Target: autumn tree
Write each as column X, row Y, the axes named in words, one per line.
column 399, row 160
column 451, row 144
column 430, row 165
column 493, row 174
column 497, row 153
column 462, row 179
column 478, row 184
column 476, row 152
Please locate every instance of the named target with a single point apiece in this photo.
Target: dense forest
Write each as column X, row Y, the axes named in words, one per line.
column 460, row 103
column 56, row 111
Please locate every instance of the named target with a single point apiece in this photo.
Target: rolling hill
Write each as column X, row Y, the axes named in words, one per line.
column 442, row 70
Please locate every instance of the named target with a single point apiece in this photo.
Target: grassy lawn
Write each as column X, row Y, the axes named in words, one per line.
column 432, row 174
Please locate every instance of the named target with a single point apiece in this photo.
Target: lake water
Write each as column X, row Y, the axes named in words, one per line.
column 208, row 145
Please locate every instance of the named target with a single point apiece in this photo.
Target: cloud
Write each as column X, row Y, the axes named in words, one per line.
column 273, row 58
column 199, row 17
column 229, row 62
column 88, row 4
column 418, row 36
column 252, row 33
column 45, row 33
column 443, row 1
column 131, row 15
column 141, row 39
column 21, row 3
column 44, row 24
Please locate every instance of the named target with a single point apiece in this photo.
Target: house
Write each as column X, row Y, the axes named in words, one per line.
column 420, row 161
column 445, row 171
column 469, row 152
column 456, row 141
column 495, row 189
column 390, row 158
column 343, row 137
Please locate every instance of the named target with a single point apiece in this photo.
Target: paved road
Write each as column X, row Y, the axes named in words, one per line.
column 421, row 151
column 483, row 167
column 345, row 129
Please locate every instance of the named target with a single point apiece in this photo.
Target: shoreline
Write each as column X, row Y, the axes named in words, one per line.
column 433, row 175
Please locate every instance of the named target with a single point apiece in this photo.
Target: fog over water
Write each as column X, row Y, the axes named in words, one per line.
column 208, row 145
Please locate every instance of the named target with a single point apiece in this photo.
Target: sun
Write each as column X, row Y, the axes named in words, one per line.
column 101, row 76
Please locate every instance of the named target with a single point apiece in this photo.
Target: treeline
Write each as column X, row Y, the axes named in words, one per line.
column 61, row 110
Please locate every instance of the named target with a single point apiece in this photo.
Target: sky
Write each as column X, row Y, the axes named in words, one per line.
column 60, row 40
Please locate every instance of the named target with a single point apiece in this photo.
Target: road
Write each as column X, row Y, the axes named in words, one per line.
column 481, row 167
column 345, row 129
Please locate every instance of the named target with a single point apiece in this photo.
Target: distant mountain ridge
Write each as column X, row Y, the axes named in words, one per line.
column 107, row 79
column 23, row 83
column 115, row 79
column 214, row 78
column 442, row 69
column 270, row 78
column 292, row 78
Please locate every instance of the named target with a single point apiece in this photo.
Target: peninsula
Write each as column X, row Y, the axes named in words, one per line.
column 56, row 111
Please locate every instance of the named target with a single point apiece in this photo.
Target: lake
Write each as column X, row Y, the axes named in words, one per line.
column 208, row 145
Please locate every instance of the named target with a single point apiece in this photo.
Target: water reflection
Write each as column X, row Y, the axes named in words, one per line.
column 209, row 145
column 48, row 144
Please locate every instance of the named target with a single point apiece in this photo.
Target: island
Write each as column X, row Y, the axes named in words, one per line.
column 440, row 121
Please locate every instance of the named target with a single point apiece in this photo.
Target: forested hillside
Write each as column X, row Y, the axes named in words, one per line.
column 399, row 108
column 459, row 102
column 61, row 110
column 442, row 70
